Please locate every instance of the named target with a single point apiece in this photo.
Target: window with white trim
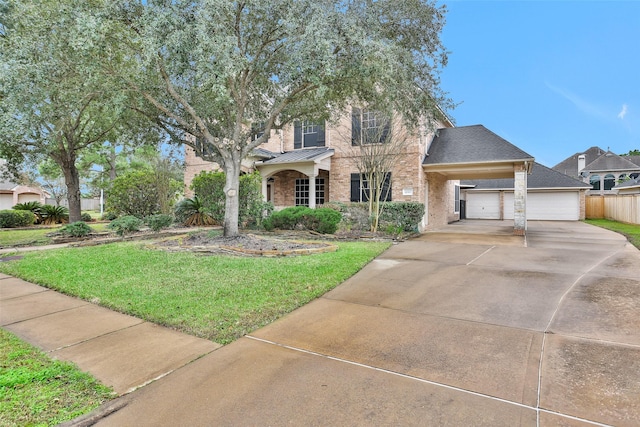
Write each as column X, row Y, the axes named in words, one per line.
column 302, row 191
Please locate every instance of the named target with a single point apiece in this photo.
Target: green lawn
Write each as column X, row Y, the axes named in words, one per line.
column 216, row 297
column 38, row 391
column 630, row 231
column 35, row 236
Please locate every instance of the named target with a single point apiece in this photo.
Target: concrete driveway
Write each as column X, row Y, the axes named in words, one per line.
column 467, row 326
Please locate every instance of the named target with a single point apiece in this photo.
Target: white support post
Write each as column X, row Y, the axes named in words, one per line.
column 520, row 201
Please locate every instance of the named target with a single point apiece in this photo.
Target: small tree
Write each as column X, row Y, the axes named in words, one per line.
column 141, row 193
column 378, row 141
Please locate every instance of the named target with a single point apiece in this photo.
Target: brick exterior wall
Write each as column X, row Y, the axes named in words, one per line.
column 408, row 178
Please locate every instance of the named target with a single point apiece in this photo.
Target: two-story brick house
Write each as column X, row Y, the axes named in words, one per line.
column 314, row 163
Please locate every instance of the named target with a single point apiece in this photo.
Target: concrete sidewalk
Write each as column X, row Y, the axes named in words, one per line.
column 447, row 329
column 121, row 351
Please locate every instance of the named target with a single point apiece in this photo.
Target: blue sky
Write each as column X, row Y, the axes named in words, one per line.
column 552, row 77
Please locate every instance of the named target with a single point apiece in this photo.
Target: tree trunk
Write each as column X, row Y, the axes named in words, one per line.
column 231, row 191
column 72, row 179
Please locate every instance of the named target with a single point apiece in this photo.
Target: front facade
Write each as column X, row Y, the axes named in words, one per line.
column 11, row 194
column 315, row 163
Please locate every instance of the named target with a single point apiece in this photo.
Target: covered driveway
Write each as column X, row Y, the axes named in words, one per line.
column 467, row 325
column 474, row 152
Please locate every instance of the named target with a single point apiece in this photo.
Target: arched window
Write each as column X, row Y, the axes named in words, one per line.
column 609, row 181
column 594, row 180
column 622, row 178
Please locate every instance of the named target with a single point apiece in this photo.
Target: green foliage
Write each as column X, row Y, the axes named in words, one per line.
column 404, row 215
column 86, row 217
column 294, row 73
column 192, row 212
column 109, row 216
column 76, row 229
column 321, row 220
column 126, row 224
column 35, row 207
column 219, row 298
column 209, row 189
column 137, row 193
column 159, row 221
column 54, row 214
column 11, row 218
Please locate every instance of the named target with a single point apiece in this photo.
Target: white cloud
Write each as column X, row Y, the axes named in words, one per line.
column 622, row 112
column 580, row 103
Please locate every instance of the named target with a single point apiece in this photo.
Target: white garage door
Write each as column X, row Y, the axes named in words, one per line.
column 557, row 206
column 483, row 205
column 6, row 201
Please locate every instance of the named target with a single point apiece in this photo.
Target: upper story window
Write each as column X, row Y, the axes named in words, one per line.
column 369, row 127
column 609, row 181
column 308, row 134
column 257, row 130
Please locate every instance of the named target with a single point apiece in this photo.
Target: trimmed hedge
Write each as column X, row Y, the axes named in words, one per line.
column 11, row 218
column 321, row 220
column 76, row 229
column 404, row 215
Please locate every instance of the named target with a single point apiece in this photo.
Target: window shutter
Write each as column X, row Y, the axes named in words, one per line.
column 321, row 134
column 355, row 187
column 355, row 126
column 385, row 131
column 386, row 188
column 297, row 134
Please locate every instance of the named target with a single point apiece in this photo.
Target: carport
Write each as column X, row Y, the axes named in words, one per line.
column 474, row 152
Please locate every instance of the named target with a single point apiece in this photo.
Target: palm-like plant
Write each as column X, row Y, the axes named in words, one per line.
column 35, row 207
column 54, row 214
column 193, row 213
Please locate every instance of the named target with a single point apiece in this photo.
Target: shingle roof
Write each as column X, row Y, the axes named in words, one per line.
column 264, row 154
column 634, row 159
column 471, row 144
column 629, row 183
column 540, row 177
column 306, row 155
column 610, row 162
column 569, row 166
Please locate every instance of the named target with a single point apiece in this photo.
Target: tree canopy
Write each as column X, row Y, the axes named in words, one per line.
column 214, row 71
column 56, row 100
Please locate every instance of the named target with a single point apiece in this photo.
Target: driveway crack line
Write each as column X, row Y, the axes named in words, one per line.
column 481, row 255
column 553, row 316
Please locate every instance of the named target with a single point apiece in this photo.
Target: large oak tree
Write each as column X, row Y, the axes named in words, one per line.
column 213, row 71
column 55, row 99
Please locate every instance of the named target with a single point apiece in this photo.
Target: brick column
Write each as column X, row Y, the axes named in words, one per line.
column 520, row 200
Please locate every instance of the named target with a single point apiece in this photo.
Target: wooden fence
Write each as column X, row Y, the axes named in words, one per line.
column 623, row 208
column 86, row 204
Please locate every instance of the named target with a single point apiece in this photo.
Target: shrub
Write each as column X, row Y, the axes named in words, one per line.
column 355, row 216
column 86, row 217
column 54, row 214
column 137, row 193
column 321, row 220
column 126, row 224
column 11, row 218
column 404, row 215
column 35, row 207
column 109, row 216
column 209, row 188
column 159, row 221
column 191, row 212
column 76, row 229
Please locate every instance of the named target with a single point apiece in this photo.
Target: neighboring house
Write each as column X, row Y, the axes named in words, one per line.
column 551, row 195
column 630, row 186
column 11, row 194
column 313, row 163
column 602, row 170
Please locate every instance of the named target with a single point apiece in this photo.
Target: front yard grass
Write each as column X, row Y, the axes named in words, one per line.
column 630, row 231
column 35, row 236
column 219, row 298
column 35, row 390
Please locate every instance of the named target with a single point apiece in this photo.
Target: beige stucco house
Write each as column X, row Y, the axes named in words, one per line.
column 314, row 163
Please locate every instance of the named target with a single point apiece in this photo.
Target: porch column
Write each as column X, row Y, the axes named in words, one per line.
column 264, row 189
column 312, row 191
column 520, row 200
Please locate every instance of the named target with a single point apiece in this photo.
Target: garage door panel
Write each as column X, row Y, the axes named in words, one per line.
column 557, row 206
column 483, row 206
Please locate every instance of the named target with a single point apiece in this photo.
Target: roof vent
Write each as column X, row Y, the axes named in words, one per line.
column 581, row 162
